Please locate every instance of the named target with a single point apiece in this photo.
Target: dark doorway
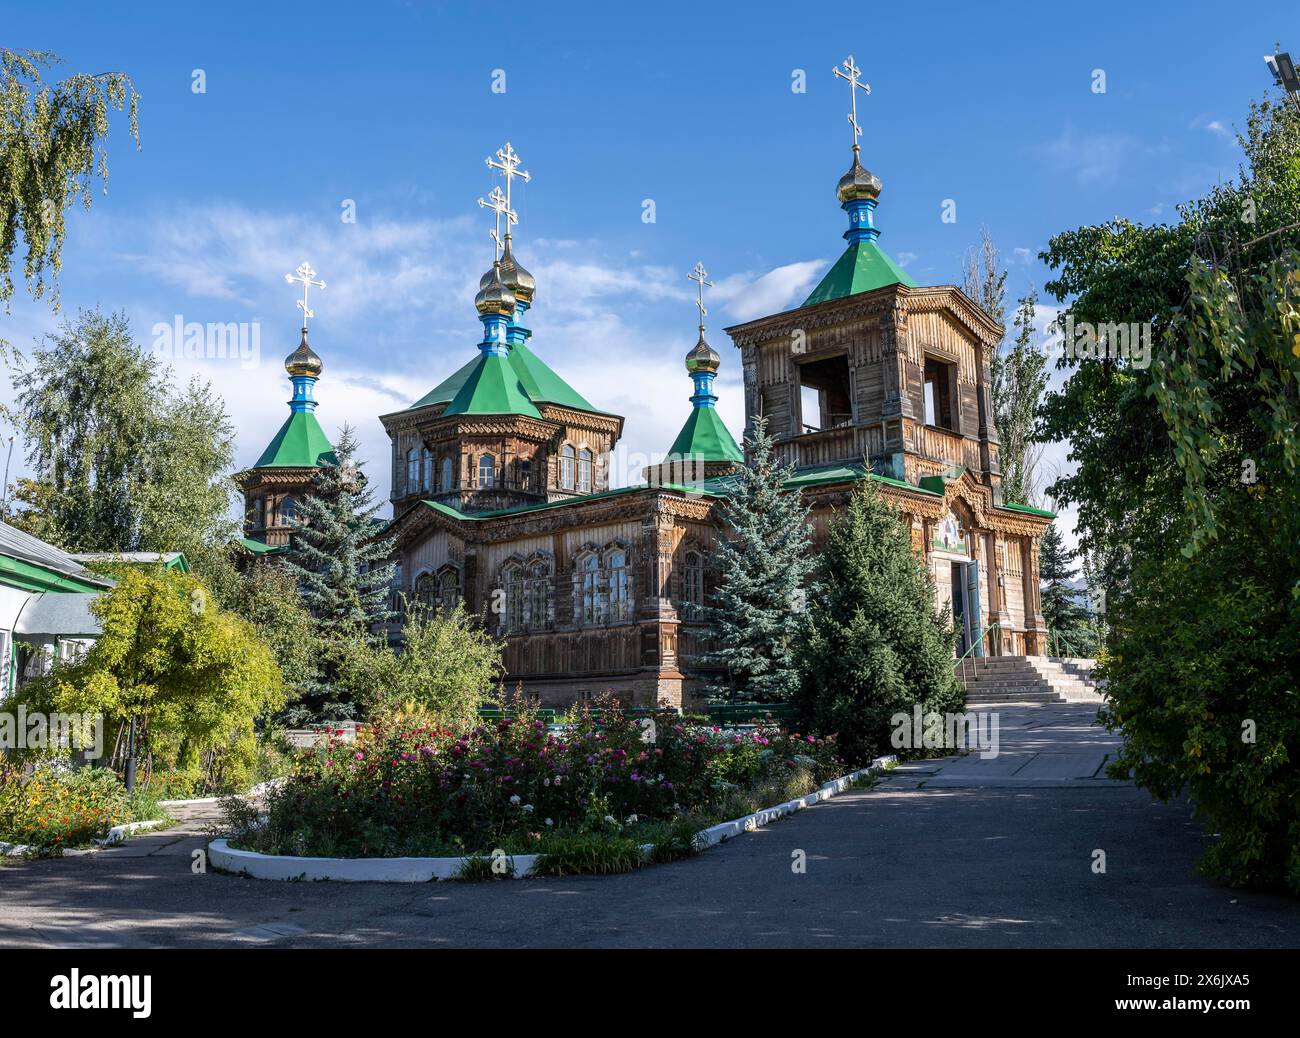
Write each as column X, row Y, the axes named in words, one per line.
column 959, row 605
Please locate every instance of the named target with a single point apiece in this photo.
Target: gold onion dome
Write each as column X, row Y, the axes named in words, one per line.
column 858, row 183
column 702, row 357
column 494, row 297
column 303, row 360
column 516, row 278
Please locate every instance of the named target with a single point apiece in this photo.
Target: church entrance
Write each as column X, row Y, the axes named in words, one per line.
column 966, row 605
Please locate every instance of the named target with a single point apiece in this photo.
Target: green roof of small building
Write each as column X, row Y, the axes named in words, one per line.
column 300, row 443
column 539, row 382
column 705, row 437
column 493, row 387
column 863, row 266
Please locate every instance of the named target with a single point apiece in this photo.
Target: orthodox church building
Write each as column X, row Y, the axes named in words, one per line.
column 500, row 473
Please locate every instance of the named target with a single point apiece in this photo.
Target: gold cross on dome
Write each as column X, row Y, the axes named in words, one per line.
column 305, row 276
column 701, row 277
column 850, row 72
column 496, row 201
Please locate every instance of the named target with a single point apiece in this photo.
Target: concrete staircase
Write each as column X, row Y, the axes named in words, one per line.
column 1029, row 679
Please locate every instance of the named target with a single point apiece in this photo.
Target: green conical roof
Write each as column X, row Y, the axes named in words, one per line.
column 706, row 438
column 300, row 443
column 864, row 266
column 494, row 386
column 539, row 382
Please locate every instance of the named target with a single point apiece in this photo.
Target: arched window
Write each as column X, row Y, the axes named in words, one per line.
column 620, row 602
column 566, row 467
column 449, row 589
column 512, row 581
column 589, row 611
column 446, row 475
column 426, row 469
column 539, row 596
column 288, row 510
column 426, row 590
column 693, row 585
column 584, row 471
column 487, row 471
column 412, row 470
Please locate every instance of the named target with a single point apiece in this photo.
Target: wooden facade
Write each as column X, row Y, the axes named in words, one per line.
column 597, row 590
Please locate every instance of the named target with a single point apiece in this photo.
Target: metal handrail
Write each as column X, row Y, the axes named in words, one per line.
column 975, row 644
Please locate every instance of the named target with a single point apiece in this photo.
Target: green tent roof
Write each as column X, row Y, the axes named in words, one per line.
column 493, row 387
column 300, row 443
column 705, row 437
column 539, row 383
column 863, row 266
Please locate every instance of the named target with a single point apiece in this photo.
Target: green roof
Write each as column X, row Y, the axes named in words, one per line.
column 863, row 267
column 705, row 437
column 493, row 387
column 262, row 548
column 1012, row 507
column 300, row 443
column 539, row 383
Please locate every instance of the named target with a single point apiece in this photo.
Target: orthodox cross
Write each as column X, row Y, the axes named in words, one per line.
column 701, row 277
column 306, row 277
column 850, row 72
column 497, row 202
column 508, row 166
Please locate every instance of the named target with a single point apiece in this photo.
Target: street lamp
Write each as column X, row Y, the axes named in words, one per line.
column 1284, row 73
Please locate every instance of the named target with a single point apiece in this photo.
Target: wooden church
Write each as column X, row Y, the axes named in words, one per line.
column 500, row 485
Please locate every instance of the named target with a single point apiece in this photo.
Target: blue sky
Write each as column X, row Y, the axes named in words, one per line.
column 390, row 105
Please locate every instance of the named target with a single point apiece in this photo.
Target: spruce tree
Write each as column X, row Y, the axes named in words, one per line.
column 342, row 572
column 1069, row 631
column 874, row 645
column 757, row 611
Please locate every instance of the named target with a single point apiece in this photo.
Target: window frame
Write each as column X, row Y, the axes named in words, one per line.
column 568, row 466
column 585, row 471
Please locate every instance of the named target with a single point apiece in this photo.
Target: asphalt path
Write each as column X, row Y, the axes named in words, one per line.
column 964, row 852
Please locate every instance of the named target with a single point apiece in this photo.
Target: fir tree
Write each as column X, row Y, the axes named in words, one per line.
column 757, row 611
column 874, row 645
column 342, row 573
column 1068, row 626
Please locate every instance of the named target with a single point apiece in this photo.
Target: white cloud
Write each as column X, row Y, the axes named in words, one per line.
column 1212, row 126
column 748, row 296
column 1095, row 159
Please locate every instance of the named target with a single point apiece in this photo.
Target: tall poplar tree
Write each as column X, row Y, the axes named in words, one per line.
column 122, row 461
column 758, row 611
column 1021, row 382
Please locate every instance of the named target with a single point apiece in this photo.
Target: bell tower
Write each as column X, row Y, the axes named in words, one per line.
column 285, row 469
column 871, row 365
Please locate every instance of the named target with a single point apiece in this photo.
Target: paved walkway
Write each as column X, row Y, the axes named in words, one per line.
column 955, row 853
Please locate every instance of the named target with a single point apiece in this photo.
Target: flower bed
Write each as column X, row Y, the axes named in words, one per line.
column 586, row 798
column 55, row 806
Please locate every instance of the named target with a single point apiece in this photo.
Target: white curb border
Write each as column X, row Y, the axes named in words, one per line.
column 112, row 838
column 422, row 870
